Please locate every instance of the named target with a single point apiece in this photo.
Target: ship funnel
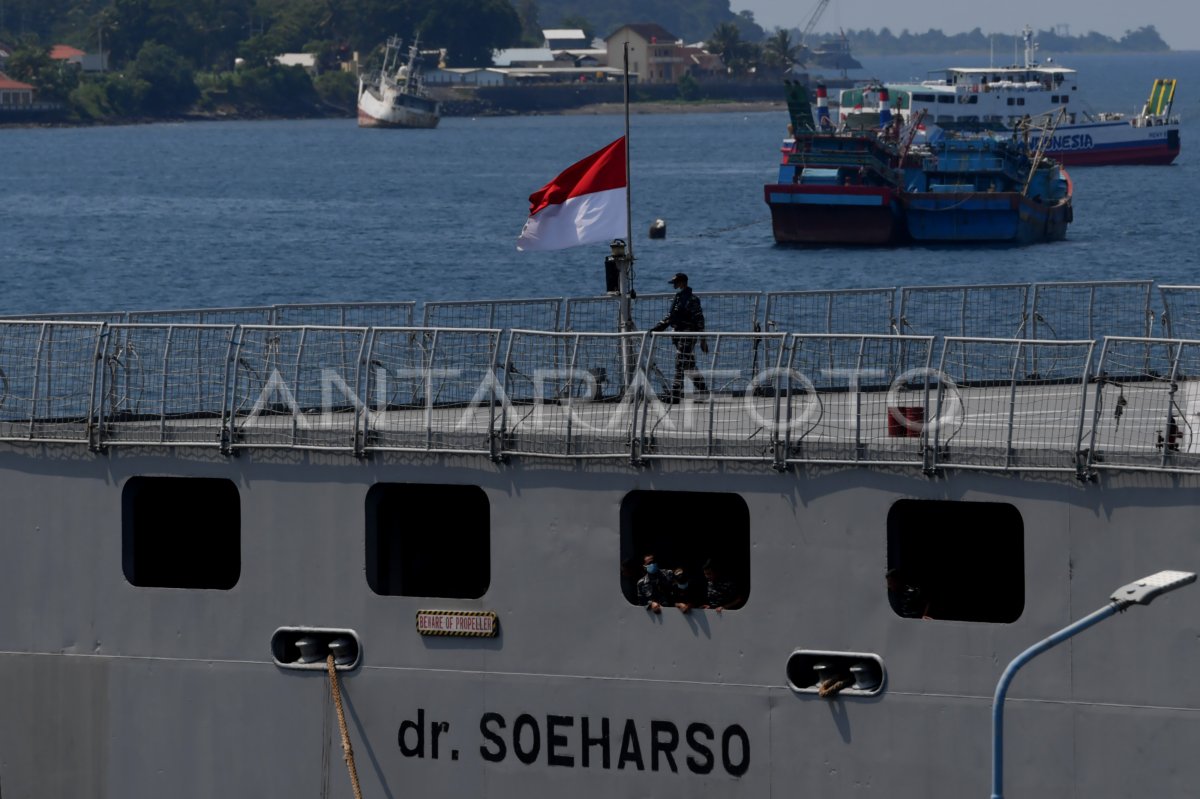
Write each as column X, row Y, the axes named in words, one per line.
column 885, row 110
column 823, row 121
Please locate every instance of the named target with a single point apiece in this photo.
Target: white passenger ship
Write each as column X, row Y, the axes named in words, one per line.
column 1004, row 97
column 242, row 546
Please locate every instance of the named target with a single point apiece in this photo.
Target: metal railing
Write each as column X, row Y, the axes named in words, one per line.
column 933, row 401
column 1051, row 311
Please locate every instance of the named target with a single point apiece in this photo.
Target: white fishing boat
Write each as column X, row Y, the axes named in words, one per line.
column 397, row 98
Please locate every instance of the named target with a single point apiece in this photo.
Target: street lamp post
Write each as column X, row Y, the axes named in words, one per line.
column 1141, row 592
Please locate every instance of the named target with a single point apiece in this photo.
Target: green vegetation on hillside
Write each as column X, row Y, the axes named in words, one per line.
column 168, row 57
column 174, row 57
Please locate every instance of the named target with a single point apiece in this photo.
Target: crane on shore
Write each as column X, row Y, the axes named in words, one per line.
column 812, row 22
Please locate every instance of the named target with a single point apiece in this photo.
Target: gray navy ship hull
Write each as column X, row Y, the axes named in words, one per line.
column 128, row 669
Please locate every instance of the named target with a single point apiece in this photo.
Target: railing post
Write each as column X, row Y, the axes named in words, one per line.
column 229, row 391
column 1169, row 424
column 96, row 404
column 779, row 433
column 710, row 405
column 572, row 361
column 166, row 365
column 856, row 386
column 498, row 449
column 433, row 344
column 1080, row 470
column 935, row 460
column 37, row 377
column 927, row 453
column 1012, row 404
column 295, row 387
column 361, row 397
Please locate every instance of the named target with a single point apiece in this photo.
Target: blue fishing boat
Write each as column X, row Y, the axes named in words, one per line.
column 984, row 188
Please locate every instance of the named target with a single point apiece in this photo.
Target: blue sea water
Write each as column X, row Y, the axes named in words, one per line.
column 235, row 213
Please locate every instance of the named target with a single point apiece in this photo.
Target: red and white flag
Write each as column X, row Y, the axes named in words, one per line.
column 585, row 204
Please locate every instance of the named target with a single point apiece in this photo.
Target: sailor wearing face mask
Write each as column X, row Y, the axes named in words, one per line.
column 654, row 588
column 686, row 593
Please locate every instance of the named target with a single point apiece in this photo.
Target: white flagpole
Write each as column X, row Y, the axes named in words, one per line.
column 625, row 263
column 628, row 181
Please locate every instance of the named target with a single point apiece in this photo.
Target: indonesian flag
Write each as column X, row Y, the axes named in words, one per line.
column 585, row 204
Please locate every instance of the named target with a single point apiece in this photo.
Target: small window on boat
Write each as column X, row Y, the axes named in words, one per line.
column 1020, row 101
column 1066, row 98
column 923, row 98
column 181, row 532
column 706, row 535
column 428, row 540
column 946, row 98
column 961, row 561
column 1012, row 101
column 1054, row 99
column 973, row 99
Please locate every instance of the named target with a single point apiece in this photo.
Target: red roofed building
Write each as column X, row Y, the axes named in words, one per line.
column 14, row 94
column 65, row 52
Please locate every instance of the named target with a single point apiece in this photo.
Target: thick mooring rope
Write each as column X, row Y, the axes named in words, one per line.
column 347, row 751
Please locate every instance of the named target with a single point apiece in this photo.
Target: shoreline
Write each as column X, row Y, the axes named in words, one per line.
column 593, row 109
column 672, row 107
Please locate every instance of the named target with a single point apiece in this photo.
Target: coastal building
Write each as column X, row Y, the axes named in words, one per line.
column 566, row 39
column 65, row 52
column 700, row 63
column 14, row 94
column 573, row 46
column 524, row 57
column 87, row 62
column 655, row 54
column 464, row 76
column 306, row 60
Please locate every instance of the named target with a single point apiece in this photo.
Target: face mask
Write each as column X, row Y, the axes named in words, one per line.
column 651, row 568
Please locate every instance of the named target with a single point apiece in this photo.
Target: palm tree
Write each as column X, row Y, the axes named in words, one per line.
column 726, row 41
column 779, row 50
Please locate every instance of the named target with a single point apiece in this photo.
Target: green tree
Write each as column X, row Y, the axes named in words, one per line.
column 725, row 41
column 1144, row 39
column 338, row 89
column 169, row 76
column 689, row 88
column 470, row 30
column 531, row 28
column 576, row 21
column 780, row 51
column 740, row 57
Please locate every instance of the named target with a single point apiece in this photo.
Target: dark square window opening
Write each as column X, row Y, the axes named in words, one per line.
column 428, row 540
column 687, row 530
column 962, row 561
column 181, row 532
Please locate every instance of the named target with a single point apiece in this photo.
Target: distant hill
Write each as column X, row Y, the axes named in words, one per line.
column 868, row 42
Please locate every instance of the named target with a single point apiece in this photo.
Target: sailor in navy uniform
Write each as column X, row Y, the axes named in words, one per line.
column 686, row 316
